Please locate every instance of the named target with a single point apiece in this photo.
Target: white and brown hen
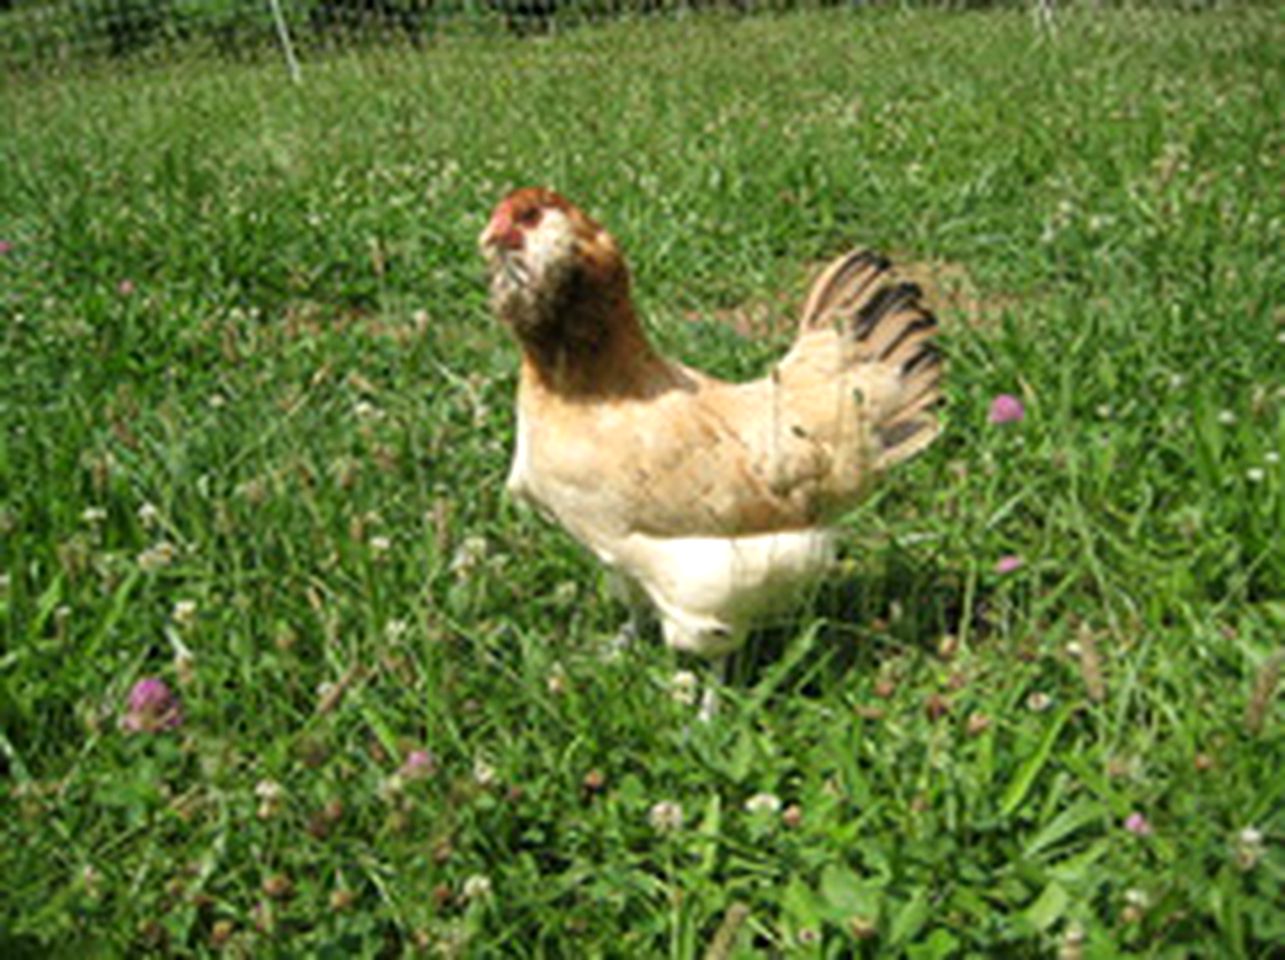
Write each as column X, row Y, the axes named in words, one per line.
column 716, row 500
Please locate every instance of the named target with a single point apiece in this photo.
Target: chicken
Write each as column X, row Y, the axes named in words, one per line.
column 715, row 501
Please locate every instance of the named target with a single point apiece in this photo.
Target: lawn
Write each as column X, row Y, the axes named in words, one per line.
column 257, row 418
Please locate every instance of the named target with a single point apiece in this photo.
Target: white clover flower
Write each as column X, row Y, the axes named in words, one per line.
column 184, row 613
column 1072, row 943
column 484, row 774
column 365, row 410
column 1226, row 417
column 157, row 556
column 92, row 880
column 1038, row 702
column 683, row 687
column 93, row 515
column 477, row 887
column 391, row 787
column 185, row 666
column 763, row 803
column 1255, row 474
column 1249, row 848
column 1135, row 897
column 253, row 491
column 556, row 681
column 665, row 816
column 380, row 545
column 149, row 515
column 269, row 793
column 469, row 554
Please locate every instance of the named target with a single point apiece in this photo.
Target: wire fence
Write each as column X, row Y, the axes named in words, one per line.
column 43, row 33
column 57, row 34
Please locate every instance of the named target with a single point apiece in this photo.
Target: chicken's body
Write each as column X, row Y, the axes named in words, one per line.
column 658, row 487
column 715, row 499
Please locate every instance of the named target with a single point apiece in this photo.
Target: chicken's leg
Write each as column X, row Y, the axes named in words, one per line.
column 721, row 670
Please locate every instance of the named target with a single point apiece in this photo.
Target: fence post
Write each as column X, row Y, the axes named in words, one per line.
column 283, row 34
column 1042, row 10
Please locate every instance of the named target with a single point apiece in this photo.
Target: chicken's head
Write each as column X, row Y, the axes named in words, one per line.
column 546, row 259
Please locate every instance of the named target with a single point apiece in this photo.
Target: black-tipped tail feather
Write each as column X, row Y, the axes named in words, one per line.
column 888, row 327
column 842, row 284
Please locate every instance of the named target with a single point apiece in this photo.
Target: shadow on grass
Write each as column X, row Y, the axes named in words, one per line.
column 23, row 947
column 865, row 616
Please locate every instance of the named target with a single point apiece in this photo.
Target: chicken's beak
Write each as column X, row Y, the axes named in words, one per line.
column 500, row 234
column 501, row 243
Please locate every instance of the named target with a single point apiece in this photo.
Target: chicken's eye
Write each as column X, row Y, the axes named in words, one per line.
column 530, row 217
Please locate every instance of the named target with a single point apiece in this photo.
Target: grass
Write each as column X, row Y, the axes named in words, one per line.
column 257, row 419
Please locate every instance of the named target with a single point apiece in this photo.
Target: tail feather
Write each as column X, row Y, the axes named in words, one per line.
column 841, row 285
column 910, row 422
column 890, row 345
